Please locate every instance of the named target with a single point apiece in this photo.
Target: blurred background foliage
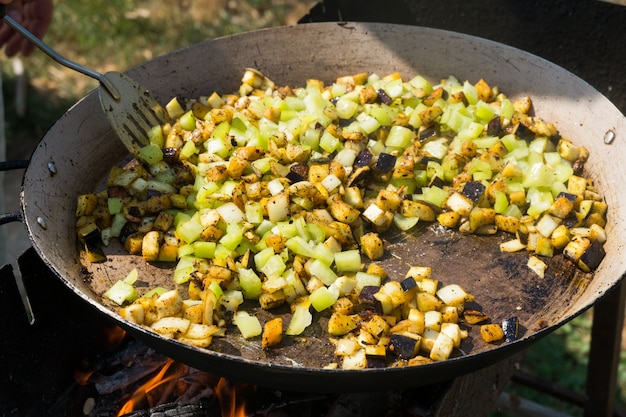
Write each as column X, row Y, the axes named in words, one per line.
column 119, row 34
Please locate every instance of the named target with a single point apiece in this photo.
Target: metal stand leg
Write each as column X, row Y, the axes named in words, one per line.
column 604, row 353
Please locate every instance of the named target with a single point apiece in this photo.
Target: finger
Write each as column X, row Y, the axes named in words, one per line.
column 13, row 46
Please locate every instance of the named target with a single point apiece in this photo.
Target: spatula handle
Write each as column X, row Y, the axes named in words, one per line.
column 54, row 55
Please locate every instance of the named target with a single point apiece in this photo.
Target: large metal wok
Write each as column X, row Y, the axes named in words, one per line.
column 77, row 153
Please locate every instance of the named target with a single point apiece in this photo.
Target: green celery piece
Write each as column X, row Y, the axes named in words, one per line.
column 400, row 137
column 300, row 320
column 322, row 298
column 322, row 271
column 189, row 231
column 151, row 153
column 205, row 250
column 348, row 260
column 121, row 292
column 248, row 325
column 299, row 246
column 188, row 121
column 250, row 283
column 323, row 254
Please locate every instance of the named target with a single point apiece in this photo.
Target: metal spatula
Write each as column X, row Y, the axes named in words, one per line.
column 131, row 111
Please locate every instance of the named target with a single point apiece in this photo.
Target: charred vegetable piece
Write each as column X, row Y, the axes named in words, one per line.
column 473, row 190
column 404, row 346
column 510, row 329
column 491, row 332
column 592, row 257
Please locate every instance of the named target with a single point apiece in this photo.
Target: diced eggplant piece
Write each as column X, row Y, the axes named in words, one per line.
column 385, row 162
column 494, row 127
column 364, row 158
column 376, row 361
column 367, row 293
column 427, row 133
column 298, row 172
column 473, row 190
column 569, row 196
column 127, row 230
column 591, row 257
column 510, row 327
column 408, row 284
column 571, row 220
column 382, row 95
column 437, row 182
column 367, row 301
column 403, row 346
column 524, row 133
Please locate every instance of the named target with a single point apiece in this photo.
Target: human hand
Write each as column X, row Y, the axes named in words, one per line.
column 34, row 15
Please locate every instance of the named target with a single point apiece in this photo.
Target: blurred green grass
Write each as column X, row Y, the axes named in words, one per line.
column 119, row 34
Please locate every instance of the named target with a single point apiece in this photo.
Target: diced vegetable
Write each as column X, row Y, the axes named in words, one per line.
column 282, row 195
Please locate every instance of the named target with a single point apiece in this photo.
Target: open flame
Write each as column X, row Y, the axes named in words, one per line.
column 174, row 377
column 156, row 389
column 232, row 397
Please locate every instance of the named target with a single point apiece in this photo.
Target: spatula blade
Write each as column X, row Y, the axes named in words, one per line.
column 134, row 113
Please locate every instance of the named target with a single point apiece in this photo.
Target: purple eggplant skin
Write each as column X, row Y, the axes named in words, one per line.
column 473, row 190
column 591, row 258
column 408, row 284
column 376, row 362
column 364, row 158
column 524, row 133
column 569, row 196
column 437, row 182
column 298, row 172
column 570, row 220
column 494, row 127
column 510, row 327
column 403, row 347
column 383, row 97
column 427, row 133
column 385, row 162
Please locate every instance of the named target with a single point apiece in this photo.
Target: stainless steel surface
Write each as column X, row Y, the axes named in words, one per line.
column 81, row 148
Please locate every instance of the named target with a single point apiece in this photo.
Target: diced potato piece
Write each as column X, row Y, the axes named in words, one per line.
column 433, row 320
column 417, row 209
column 454, row 294
column 346, row 346
column 133, row 313
column 377, row 326
column 272, row 332
column 171, row 325
column 151, row 246
column 491, row 332
column 200, row 331
column 513, row 245
column 86, row 204
column 358, row 360
column 340, row 324
column 481, row 217
column 169, row 304
column 449, row 219
column 507, row 223
column 372, row 246
column 537, row 266
column 341, row 210
column 459, row 203
column 474, row 316
column 427, row 302
column 442, row 348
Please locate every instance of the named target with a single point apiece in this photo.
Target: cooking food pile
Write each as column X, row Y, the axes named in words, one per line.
column 281, row 197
